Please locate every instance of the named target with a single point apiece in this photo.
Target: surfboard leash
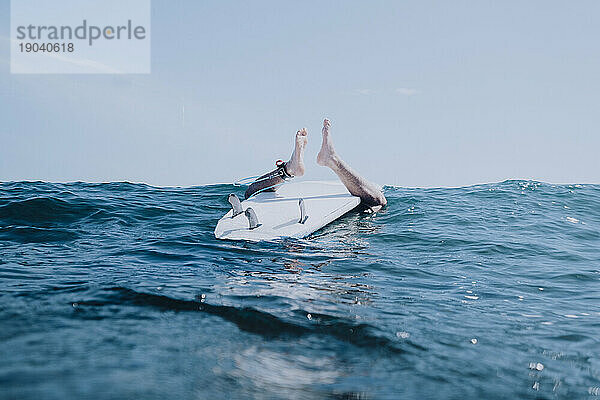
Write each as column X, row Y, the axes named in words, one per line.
column 279, row 172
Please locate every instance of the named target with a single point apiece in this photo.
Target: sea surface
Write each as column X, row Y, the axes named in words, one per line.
column 121, row 291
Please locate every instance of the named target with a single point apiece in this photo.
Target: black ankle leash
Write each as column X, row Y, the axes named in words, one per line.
column 280, row 171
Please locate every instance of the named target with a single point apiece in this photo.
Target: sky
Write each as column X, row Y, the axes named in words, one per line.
column 420, row 94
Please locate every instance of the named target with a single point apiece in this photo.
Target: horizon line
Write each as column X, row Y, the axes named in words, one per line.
column 232, row 183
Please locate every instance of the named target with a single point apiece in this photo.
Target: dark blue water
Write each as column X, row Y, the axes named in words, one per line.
column 120, row 290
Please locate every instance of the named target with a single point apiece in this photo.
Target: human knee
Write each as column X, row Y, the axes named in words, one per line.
column 375, row 200
column 381, row 200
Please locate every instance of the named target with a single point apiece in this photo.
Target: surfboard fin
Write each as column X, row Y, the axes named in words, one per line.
column 252, row 218
column 236, row 205
column 303, row 216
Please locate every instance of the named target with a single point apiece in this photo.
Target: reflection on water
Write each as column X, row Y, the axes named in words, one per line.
column 266, row 368
column 298, row 285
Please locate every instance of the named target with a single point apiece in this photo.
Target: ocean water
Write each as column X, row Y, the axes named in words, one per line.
column 120, row 290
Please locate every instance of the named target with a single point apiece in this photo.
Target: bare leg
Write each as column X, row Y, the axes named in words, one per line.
column 370, row 194
column 294, row 167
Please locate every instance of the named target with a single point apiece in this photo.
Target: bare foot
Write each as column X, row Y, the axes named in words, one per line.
column 295, row 166
column 327, row 154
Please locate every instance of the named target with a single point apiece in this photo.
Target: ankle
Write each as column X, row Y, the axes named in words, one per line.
column 333, row 160
column 294, row 168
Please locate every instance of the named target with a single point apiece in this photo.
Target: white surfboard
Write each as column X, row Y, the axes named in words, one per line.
column 279, row 212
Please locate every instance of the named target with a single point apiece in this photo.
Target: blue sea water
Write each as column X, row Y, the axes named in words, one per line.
column 120, row 290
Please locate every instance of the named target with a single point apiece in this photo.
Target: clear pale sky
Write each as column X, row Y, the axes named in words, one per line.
column 420, row 93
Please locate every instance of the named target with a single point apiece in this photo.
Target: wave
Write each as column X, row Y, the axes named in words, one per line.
column 258, row 322
column 45, row 210
column 29, row 234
